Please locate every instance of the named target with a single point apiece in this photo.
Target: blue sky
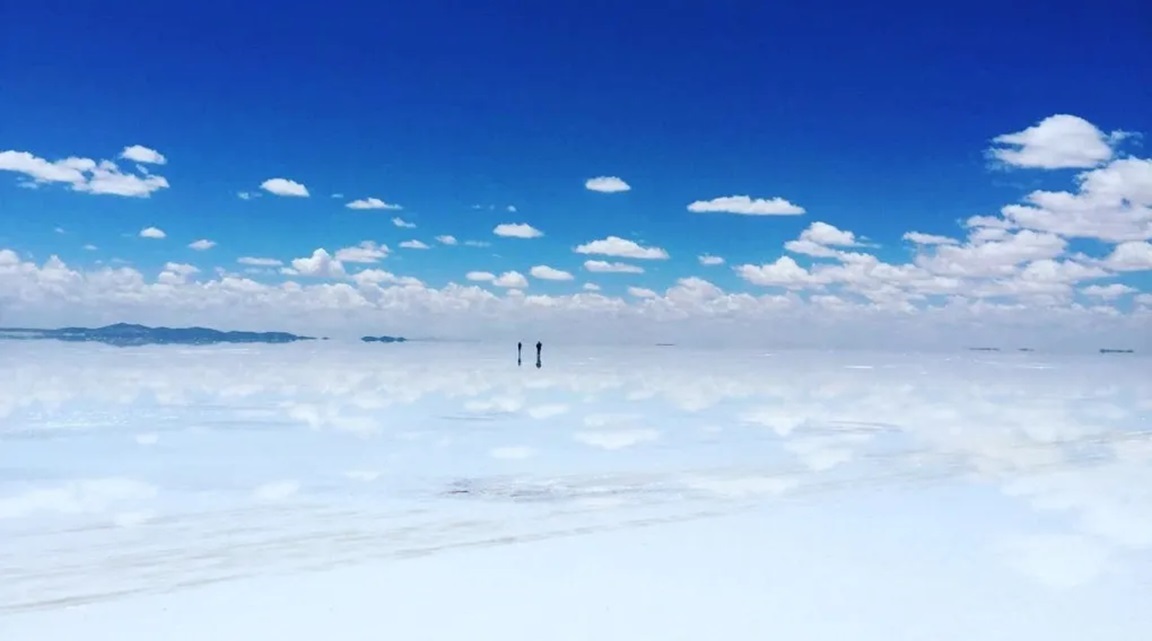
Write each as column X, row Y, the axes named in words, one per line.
column 876, row 121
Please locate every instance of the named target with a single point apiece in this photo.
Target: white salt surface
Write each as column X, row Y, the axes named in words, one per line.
column 436, row 491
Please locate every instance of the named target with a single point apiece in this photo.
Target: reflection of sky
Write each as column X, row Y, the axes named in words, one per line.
column 1019, row 470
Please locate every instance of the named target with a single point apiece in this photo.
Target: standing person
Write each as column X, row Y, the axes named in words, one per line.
column 539, row 346
column 519, row 348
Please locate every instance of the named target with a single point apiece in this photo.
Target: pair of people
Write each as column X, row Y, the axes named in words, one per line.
column 520, row 348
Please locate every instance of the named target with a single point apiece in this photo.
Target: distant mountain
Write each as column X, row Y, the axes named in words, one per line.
column 125, row 334
column 384, row 339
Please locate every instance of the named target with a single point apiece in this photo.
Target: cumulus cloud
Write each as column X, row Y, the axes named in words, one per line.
column 1061, row 141
column 143, row 155
column 403, row 224
column 819, row 239
column 372, row 203
column 1113, row 203
column 1130, row 256
column 621, row 248
column 377, row 277
column 319, row 265
column 606, row 184
column 447, row 240
column 544, row 272
column 1108, row 292
column 512, row 280
column 202, row 245
column 259, row 262
column 365, row 252
column 284, row 187
column 176, row 273
column 82, row 175
column 882, row 304
column 709, row 260
column 517, row 230
column 746, row 206
column 414, row 244
column 928, row 239
column 152, row 232
column 605, row 267
column 1010, row 273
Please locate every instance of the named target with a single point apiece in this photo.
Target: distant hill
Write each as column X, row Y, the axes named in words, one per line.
column 384, row 339
column 126, row 334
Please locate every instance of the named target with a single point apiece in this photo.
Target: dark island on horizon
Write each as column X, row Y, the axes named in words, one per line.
column 128, row 334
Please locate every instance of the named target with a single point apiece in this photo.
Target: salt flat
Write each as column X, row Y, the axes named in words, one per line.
column 440, row 491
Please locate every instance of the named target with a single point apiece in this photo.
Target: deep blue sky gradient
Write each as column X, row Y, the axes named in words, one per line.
column 872, row 117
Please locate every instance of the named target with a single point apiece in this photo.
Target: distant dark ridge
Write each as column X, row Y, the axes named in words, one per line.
column 384, row 339
column 1104, row 350
column 984, row 349
column 127, row 334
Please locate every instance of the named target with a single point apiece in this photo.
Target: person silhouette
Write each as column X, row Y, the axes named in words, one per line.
column 539, row 346
column 519, row 349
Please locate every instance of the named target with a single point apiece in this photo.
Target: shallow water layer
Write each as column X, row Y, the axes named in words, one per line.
column 344, row 491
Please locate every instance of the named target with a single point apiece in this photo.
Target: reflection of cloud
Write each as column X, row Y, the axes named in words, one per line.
column 1070, row 440
column 90, row 496
column 512, row 452
column 275, row 491
column 616, row 439
column 1058, row 560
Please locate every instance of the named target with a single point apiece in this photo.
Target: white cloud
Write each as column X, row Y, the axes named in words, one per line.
column 152, row 232
column 477, row 243
column 606, row 184
column 784, row 272
column 259, row 262
column 511, row 208
column 284, row 187
column 928, row 239
column 1113, row 203
column 143, row 155
column 709, row 260
column 176, row 273
column 1130, row 256
column 247, row 195
column 414, row 244
column 82, row 175
column 544, row 272
column 365, row 252
column 605, row 267
column 747, row 206
column 1108, row 292
column 480, row 276
column 337, row 195
column 368, row 277
column 320, row 264
column 1061, row 141
column 400, row 222
column 622, row 248
column 591, row 287
column 372, row 203
column 90, row 247
column 641, row 292
column 447, row 240
column 818, row 240
column 517, row 230
column 202, row 244
column 513, row 279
